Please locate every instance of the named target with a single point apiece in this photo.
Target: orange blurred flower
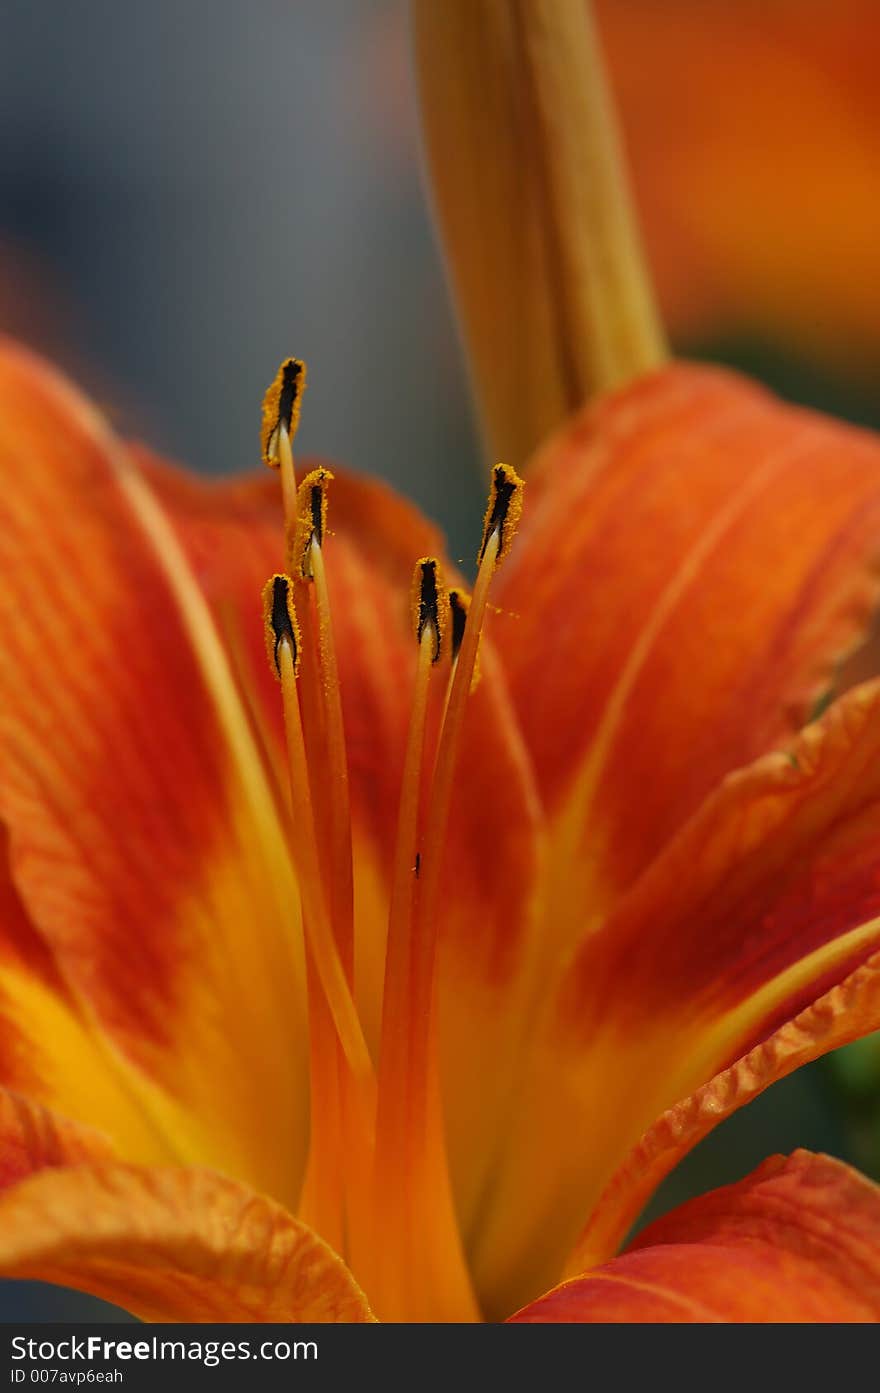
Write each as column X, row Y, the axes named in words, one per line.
column 239, row 1081
column 753, row 130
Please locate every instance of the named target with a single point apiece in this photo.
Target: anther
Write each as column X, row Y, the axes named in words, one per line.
column 503, row 511
column 430, row 604
column 311, row 521
column 281, row 408
column 279, row 621
column 459, row 604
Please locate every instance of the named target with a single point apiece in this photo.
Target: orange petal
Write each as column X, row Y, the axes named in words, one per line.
column 143, row 840
column 797, row 1241
column 32, row 1139
column 804, row 272
column 50, row 1049
column 702, row 555
column 173, row 1245
column 768, row 897
column 847, row 1012
column 232, row 535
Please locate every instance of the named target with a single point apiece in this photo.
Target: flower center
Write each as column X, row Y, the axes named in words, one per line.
column 377, row 1185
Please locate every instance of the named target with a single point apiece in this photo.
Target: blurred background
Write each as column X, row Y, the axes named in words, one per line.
column 189, row 192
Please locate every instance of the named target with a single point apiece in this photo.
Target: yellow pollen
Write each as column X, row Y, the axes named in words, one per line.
column 429, row 605
column 281, row 408
column 503, row 511
column 279, row 621
column 311, row 522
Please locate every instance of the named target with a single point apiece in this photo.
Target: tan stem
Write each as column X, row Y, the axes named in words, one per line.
column 532, row 202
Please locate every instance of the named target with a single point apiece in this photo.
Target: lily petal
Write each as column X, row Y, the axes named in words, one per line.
column 797, row 1241
column 847, row 1012
column 32, row 1138
column 143, row 843
column 173, row 1245
column 703, row 556
column 764, row 901
column 51, row 1049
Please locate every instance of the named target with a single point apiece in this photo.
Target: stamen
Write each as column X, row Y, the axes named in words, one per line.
column 502, row 515
column 282, row 643
column 336, row 783
column 427, row 1161
column 429, row 602
column 281, row 409
column 459, row 604
column 280, row 622
column 311, row 521
column 337, row 1189
column 430, row 612
column 503, row 510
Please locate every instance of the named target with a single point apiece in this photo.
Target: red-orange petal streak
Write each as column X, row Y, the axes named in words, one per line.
column 134, row 840
column 702, row 555
column 847, row 1012
column 797, row 1241
column 767, row 897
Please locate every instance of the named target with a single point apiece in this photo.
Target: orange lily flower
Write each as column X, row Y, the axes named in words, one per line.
column 377, row 959
column 632, row 941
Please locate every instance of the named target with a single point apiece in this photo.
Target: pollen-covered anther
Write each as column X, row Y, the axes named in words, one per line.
column 311, row 521
column 429, row 600
column 503, row 511
column 459, row 608
column 279, row 621
column 281, row 408
column 459, row 604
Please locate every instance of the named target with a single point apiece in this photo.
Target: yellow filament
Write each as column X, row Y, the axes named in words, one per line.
column 336, row 782
column 392, row 1279
column 426, row 1158
column 321, row 1204
column 319, row 934
column 288, row 483
column 353, row 1141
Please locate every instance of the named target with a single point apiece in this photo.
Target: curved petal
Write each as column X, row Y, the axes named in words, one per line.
column 173, row 1245
column 797, row 1241
column 143, row 842
column 768, row 897
column 702, row 555
column 32, row 1139
column 232, row 535
column 843, row 1014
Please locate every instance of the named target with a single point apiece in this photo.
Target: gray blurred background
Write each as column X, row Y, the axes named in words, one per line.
column 191, row 190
